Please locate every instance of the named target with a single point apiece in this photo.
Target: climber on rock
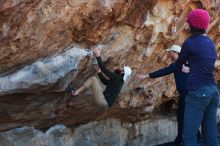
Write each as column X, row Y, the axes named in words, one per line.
column 180, row 75
column 112, row 80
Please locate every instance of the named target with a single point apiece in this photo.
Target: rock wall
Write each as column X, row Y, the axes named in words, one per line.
column 45, row 44
column 109, row 132
column 157, row 130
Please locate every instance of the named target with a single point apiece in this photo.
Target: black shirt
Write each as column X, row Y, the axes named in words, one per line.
column 113, row 84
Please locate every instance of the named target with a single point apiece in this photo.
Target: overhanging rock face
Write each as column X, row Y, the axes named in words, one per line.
column 43, row 72
column 45, row 44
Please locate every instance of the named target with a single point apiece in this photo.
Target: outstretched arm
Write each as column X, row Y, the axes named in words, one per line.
column 103, row 79
column 107, row 72
column 159, row 73
column 164, row 71
column 186, row 51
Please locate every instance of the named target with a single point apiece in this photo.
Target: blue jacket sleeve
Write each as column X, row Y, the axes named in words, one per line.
column 164, row 71
column 186, row 51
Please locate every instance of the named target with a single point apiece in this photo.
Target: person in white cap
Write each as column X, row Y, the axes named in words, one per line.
column 113, row 81
column 180, row 75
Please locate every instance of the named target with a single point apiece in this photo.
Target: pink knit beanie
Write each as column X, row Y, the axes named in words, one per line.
column 199, row 18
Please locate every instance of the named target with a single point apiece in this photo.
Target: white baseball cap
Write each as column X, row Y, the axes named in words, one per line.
column 127, row 72
column 174, row 48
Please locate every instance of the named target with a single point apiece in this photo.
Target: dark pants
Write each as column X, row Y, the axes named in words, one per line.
column 180, row 119
column 201, row 109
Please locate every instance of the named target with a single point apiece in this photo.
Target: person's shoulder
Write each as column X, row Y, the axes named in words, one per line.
column 188, row 40
column 208, row 38
column 199, row 37
column 188, row 43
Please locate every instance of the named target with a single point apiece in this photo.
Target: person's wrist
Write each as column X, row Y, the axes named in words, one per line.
column 77, row 92
column 146, row 76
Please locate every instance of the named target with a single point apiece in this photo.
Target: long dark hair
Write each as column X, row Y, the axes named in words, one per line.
column 195, row 31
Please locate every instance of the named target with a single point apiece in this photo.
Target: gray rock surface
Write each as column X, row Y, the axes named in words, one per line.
column 43, row 72
column 110, row 132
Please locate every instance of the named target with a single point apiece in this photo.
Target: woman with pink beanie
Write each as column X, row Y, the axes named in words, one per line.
column 202, row 98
